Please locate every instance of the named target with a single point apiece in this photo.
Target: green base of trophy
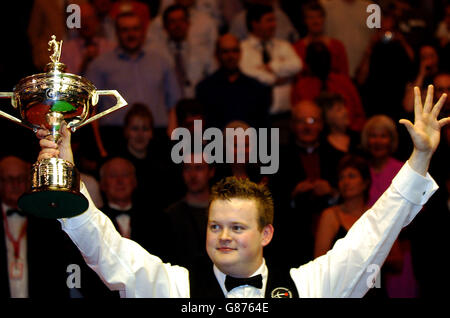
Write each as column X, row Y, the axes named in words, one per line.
column 53, row 204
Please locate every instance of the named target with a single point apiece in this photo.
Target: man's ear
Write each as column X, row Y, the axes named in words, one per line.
column 267, row 234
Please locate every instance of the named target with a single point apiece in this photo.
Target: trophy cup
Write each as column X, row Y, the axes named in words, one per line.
column 47, row 100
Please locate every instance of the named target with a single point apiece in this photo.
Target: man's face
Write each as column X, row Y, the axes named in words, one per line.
column 441, row 86
column 118, row 181
column 14, row 181
column 177, row 25
column 229, row 53
column 265, row 28
column 307, row 123
column 138, row 133
column 196, row 176
column 234, row 241
column 314, row 21
column 130, row 33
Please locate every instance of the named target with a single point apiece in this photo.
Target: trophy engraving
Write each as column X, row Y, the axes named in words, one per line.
column 48, row 100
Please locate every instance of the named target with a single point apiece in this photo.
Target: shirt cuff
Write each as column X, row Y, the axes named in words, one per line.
column 79, row 220
column 413, row 186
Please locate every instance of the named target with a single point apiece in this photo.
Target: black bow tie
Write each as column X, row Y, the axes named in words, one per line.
column 113, row 213
column 14, row 211
column 233, row 282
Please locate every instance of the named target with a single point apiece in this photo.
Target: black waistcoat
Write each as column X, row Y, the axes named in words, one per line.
column 203, row 283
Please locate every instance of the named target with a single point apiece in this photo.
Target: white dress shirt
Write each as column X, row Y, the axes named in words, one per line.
column 18, row 287
column 202, row 31
column 198, row 62
column 343, row 272
column 284, row 63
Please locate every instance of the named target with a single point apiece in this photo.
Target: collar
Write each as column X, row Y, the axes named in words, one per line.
column 220, row 276
column 125, row 56
column 6, row 207
column 119, row 208
column 255, row 41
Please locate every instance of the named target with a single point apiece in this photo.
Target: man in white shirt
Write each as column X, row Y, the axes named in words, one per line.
column 271, row 61
column 191, row 61
column 203, row 29
column 236, row 236
column 285, row 29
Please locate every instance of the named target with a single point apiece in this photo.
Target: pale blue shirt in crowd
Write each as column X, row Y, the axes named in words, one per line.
column 347, row 270
column 148, row 78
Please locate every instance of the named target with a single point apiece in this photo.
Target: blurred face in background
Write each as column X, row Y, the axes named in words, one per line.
column 429, row 57
column 229, row 52
column 130, row 33
column 351, row 183
column 196, row 176
column 266, row 26
column 138, row 132
column 379, row 142
column 442, row 86
column 14, row 180
column 314, row 20
column 337, row 116
column 118, row 180
column 177, row 25
column 307, row 123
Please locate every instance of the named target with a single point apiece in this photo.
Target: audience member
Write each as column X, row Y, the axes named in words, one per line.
column 80, row 50
column 241, row 146
column 188, row 217
column 134, row 6
column 140, row 76
column 130, row 216
column 271, row 61
column 211, row 7
column 150, row 158
column 284, row 29
column 306, row 181
column 347, row 22
column 191, row 62
column 428, row 60
column 386, row 66
column 379, row 139
column 228, row 94
column 31, row 258
column 334, row 223
column 337, row 123
column 202, row 30
column 314, row 19
column 319, row 79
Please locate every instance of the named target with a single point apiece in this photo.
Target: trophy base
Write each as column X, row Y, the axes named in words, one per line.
column 53, row 204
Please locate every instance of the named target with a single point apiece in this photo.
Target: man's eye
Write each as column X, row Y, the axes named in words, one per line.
column 237, row 228
column 213, row 227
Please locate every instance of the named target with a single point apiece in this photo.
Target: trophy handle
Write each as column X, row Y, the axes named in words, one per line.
column 120, row 102
column 10, row 117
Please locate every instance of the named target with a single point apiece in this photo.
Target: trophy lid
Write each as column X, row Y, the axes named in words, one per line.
column 55, row 65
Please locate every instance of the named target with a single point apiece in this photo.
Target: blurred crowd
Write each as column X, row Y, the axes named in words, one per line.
column 334, row 87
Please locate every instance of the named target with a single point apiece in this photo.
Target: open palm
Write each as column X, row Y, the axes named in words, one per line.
column 425, row 132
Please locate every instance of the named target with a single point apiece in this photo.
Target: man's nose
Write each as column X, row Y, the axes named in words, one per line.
column 224, row 235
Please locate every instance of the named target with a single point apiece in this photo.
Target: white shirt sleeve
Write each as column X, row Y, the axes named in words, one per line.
column 123, row 264
column 346, row 271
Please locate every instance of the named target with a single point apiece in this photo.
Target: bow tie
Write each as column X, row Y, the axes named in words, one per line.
column 115, row 213
column 14, row 211
column 233, row 282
